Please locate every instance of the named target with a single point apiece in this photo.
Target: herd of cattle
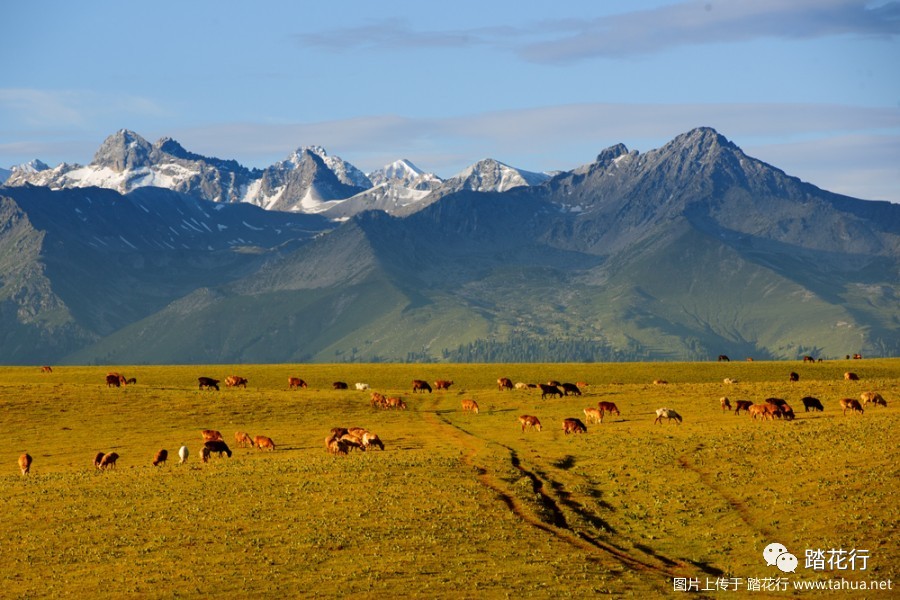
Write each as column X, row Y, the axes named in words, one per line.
column 341, row 441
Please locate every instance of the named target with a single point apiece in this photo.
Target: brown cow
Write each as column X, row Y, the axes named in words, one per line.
column 857, row 356
column 549, row 390
column 236, row 381
column 504, row 383
column 296, row 382
column 109, row 460
column 848, row 376
column 395, row 403
column 660, row 382
column 204, row 454
column 420, row 385
column 97, row 458
column 852, row 405
column 243, row 439
column 593, row 415
column 25, row 463
column 161, row 457
column 608, row 407
column 792, row 376
column 573, row 425
column 726, row 404
column 378, row 400
column 46, row 369
column 442, row 384
column 808, row 359
column 262, row 441
column 872, row 398
column 724, row 358
column 530, row 421
column 760, row 410
column 211, row 435
column 470, row 406
column 335, row 445
column 742, row 405
column 774, row 410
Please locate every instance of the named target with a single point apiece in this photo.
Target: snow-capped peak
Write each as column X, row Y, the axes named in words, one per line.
column 32, row 166
column 404, row 173
column 495, row 176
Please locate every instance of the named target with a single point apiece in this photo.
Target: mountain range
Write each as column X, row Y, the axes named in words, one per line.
column 684, row 252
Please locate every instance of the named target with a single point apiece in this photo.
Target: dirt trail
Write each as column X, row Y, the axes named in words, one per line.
column 556, row 523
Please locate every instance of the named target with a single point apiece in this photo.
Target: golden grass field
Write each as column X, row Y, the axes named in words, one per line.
column 457, row 505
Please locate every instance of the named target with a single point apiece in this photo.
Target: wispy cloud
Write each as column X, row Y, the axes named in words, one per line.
column 68, row 109
column 643, row 32
column 713, row 22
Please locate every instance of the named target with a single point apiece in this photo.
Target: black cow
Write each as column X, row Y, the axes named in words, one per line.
column 571, row 388
column 217, row 446
column 208, row 383
column 549, row 390
column 812, row 404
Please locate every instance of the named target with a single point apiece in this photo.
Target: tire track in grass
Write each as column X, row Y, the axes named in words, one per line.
column 557, row 526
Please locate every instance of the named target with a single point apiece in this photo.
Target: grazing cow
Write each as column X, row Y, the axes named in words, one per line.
column 338, row 432
column 353, row 442
column 726, row 404
column 530, row 421
column 340, row 385
column 779, row 402
column 872, row 398
column 809, row 359
column 742, row 405
column 470, row 406
column 504, row 383
column 217, row 446
column 243, row 439
column 608, row 407
column 204, row 454
column 420, row 385
column 395, row 403
column 361, row 386
column 554, row 382
column 236, row 381
column 774, row 410
column 46, row 369
column 161, row 457
column 760, row 410
column 97, row 458
column 660, row 382
column 443, row 384
column 25, row 463
column 812, row 404
column 793, row 376
column 113, row 380
column 208, row 383
column 668, row 414
column 262, row 441
column 109, row 460
column 729, row 381
column 593, row 415
column 570, row 388
column 296, row 382
column 336, row 445
column 848, row 376
column 852, row 405
column 183, row 454
column 549, row 390
column 857, row 356
column 749, row 359
column 724, row 358
column 573, row 425
column 131, row 381
column 370, row 439
column 521, row 386
column 211, row 435
column 379, row 400
column 787, row 412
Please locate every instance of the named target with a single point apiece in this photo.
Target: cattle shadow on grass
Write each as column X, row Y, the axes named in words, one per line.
column 565, row 463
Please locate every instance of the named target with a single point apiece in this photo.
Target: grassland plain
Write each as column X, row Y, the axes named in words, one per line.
column 458, row 505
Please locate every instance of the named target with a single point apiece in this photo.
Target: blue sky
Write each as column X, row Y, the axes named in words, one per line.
column 810, row 86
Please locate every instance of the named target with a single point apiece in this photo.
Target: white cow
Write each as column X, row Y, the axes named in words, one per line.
column 362, row 386
column 183, row 454
column 667, row 413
